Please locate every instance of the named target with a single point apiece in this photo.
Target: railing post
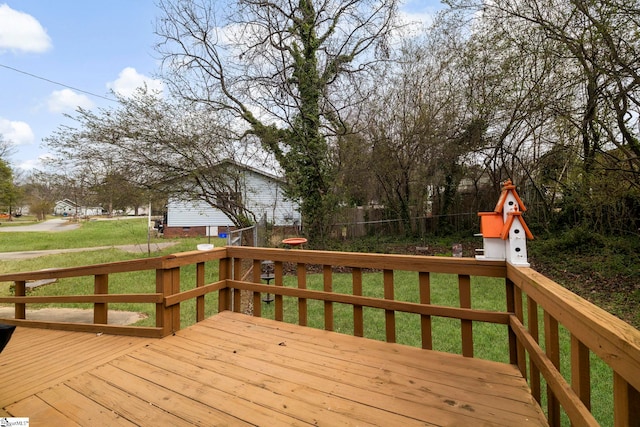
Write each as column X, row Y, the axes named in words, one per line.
column 101, row 310
column 464, row 290
column 626, row 402
column 168, row 283
column 163, row 320
column 19, row 290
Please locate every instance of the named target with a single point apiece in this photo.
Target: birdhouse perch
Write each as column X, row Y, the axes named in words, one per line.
column 504, row 232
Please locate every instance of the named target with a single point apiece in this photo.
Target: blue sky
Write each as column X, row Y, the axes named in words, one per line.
column 89, row 46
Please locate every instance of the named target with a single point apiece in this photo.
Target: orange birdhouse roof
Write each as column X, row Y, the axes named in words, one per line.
column 511, row 216
column 507, row 188
column 490, row 224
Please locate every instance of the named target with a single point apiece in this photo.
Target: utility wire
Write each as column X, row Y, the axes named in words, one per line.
column 57, row 83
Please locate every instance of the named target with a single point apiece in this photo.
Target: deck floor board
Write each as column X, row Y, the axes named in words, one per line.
column 233, row 369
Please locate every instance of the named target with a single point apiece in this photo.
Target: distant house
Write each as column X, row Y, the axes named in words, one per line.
column 261, row 193
column 67, row 207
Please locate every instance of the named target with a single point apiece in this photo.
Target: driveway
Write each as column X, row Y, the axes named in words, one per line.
column 53, row 225
column 59, row 224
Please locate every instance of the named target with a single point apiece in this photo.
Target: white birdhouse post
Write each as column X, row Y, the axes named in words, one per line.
column 504, row 231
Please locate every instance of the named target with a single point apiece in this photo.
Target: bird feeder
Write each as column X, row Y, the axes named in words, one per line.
column 504, row 232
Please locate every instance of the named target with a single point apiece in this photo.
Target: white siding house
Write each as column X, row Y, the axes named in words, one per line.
column 67, row 207
column 261, row 193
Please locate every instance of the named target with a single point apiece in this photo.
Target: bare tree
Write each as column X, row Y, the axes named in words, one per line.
column 152, row 144
column 287, row 69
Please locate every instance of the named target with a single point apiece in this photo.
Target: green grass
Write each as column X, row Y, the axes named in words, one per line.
column 90, row 233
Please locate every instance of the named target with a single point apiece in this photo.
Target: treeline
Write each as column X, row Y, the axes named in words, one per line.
column 356, row 108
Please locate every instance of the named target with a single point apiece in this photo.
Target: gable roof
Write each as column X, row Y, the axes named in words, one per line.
column 511, row 216
column 507, row 188
column 250, row 169
column 68, row 203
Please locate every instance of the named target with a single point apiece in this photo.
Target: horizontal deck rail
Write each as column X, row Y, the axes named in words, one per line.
column 536, row 310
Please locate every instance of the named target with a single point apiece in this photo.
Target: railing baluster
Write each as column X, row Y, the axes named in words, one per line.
column 19, row 290
column 224, row 295
column 302, row 302
column 552, row 343
column 464, row 289
column 389, row 315
column 511, row 308
column 522, row 357
column 278, row 271
column 200, row 299
column 358, row 319
column 237, row 293
column 328, row 305
column 626, row 402
column 580, row 371
column 424, row 281
column 100, row 310
column 257, row 299
column 534, row 372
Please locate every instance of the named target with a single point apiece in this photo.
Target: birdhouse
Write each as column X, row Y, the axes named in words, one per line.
column 504, row 232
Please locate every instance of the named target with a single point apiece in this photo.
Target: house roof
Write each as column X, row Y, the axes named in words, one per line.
column 507, row 188
column 250, row 168
column 67, row 202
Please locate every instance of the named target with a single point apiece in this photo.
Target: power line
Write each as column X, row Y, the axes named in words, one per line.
column 57, row 83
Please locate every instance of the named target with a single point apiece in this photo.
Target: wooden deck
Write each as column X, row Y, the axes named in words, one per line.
column 233, row 369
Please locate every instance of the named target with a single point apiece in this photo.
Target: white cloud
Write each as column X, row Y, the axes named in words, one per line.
column 66, row 100
column 19, row 133
column 129, row 80
column 21, row 32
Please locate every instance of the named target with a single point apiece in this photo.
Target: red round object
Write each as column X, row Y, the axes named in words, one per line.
column 294, row 241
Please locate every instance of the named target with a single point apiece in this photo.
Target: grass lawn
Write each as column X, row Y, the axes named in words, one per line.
column 490, row 341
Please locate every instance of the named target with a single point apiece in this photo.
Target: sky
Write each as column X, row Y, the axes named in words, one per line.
column 61, row 54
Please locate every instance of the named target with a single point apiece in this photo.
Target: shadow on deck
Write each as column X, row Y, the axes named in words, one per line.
column 233, row 369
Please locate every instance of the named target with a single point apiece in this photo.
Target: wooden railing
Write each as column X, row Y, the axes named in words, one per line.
column 593, row 332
